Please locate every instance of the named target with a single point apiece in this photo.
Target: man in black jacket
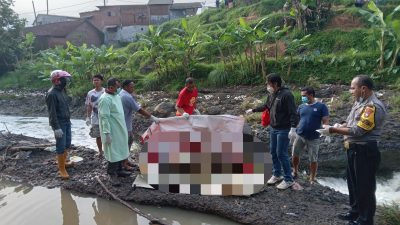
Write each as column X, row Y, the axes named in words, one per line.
column 282, row 108
column 59, row 117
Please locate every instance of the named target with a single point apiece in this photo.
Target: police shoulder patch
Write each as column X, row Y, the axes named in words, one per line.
column 367, row 118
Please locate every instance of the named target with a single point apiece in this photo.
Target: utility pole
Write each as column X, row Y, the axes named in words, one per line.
column 34, row 12
column 104, row 2
column 47, row 3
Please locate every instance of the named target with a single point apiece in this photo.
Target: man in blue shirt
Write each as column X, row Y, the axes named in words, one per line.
column 130, row 106
column 311, row 113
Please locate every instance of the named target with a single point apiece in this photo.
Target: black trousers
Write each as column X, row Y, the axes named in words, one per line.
column 362, row 165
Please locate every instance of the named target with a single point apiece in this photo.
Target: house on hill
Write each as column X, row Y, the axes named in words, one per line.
column 182, row 10
column 119, row 23
column 109, row 24
column 159, row 11
column 77, row 32
column 42, row 19
column 123, row 23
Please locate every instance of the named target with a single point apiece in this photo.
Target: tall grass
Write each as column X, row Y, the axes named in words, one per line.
column 390, row 214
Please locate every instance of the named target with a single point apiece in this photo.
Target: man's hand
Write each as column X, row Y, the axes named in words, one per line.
column 325, row 130
column 108, row 139
column 292, row 134
column 185, row 115
column 155, row 119
column 249, row 111
column 58, row 133
column 88, row 121
column 196, row 112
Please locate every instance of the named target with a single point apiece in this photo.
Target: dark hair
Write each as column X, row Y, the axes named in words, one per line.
column 189, row 80
column 98, row 76
column 126, row 83
column 364, row 80
column 274, row 78
column 309, row 91
column 112, row 82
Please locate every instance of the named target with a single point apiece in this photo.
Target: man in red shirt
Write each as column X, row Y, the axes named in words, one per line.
column 186, row 102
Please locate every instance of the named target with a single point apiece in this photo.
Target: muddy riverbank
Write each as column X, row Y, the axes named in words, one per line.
column 235, row 101
column 313, row 205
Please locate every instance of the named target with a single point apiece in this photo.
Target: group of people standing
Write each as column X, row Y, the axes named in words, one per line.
column 110, row 112
column 304, row 126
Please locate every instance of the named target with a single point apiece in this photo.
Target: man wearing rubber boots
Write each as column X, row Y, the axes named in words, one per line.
column 59, row 117
column 361, row 131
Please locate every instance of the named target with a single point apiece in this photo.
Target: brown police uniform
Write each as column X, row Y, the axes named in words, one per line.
column 365, row 121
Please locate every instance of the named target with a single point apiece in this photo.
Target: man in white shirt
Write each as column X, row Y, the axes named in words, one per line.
column 92, row 114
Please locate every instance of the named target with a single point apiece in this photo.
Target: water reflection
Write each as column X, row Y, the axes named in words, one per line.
column 22, row 204
column 69, row 209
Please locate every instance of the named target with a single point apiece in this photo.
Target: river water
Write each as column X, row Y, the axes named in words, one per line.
column 22, row 204
column 64, row 207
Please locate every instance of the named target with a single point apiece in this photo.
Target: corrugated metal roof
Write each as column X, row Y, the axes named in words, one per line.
column 191, row 5
column 60, row 29
column 160, row 2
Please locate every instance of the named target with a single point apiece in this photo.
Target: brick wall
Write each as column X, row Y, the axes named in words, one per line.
column 85, row 33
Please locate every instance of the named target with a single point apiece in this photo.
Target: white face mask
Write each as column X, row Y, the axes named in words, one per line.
column 270, row 89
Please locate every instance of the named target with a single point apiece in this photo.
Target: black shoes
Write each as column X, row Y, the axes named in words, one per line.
column 348, row 216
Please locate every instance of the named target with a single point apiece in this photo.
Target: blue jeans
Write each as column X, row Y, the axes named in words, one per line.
column 278, row 145
column 65, row 141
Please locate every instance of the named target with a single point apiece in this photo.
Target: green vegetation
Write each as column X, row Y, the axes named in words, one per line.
column 11, row 47
column 234, row 47
column 390, row 214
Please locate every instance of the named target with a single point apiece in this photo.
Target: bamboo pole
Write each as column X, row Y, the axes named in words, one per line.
column 153, row 220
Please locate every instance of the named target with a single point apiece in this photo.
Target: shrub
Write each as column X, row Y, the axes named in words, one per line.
column 394, row 103
column 151, row 82
column 218, row 77
column 390, row 214
column 336, row 40
column 201, row 70
column 314, row 82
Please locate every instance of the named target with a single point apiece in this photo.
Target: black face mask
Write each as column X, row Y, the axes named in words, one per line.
column 64, row 82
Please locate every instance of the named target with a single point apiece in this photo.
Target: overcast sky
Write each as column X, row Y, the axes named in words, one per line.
column 72, row 7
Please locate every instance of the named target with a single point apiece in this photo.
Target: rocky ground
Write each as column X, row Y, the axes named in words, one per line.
column 313, row 205
column 234, row 101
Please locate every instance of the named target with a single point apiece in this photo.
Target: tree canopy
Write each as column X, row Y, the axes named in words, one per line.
column 10, row 36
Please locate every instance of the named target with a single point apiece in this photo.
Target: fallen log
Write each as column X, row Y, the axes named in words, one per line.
column 30, row 147
column 153, row 220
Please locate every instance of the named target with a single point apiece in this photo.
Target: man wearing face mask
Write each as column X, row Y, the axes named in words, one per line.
column 361, row 131
column 59, row 117
column 311, row 114
column 114, row 134
column 283, row 122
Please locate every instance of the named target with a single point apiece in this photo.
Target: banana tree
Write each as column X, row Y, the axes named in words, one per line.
column 292, row 47
column 154, row 44
column 375, row 17
column 186, row 41
column 393, row 23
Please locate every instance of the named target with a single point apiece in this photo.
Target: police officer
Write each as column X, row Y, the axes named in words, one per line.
column 361, row 131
